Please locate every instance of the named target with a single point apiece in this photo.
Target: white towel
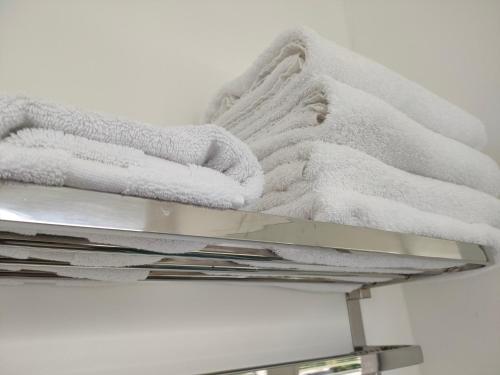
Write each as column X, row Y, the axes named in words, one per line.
column 48, row 144
column 321, row 259
column 334, row 183
column 327, row 110
column 109, row 274
column 300, row 52
column 80, row 257
column 350, row 208
column 138, row 241
column 294, row 171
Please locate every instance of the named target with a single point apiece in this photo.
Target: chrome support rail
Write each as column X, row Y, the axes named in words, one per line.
column 355, row 317
column 369, row 361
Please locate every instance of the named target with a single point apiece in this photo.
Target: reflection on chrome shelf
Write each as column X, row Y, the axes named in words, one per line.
column 367, row 362
column 236, row 243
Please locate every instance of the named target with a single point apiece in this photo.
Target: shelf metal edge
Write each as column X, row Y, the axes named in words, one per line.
column 216, row 263
column 72, row 211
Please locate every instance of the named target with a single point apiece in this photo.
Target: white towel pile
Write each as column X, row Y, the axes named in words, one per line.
column 48, row 144
column 344, row 139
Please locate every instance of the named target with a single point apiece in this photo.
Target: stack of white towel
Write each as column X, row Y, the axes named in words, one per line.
column 344, row 139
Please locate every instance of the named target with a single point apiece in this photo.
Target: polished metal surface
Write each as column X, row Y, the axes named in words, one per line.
column 209, row 259
column 356, row 323
column 76, row 243
column 189, row 269
column 368, row 361
column 401, row 357
column 358, row 294
column 211, row 263
column 79, row 212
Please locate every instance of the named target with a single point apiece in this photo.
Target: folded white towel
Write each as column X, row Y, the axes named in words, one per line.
column 351, row 208
column 300, row 52
column 48, row 144
column 330, row 111
column 317, row 165
column 329, row 182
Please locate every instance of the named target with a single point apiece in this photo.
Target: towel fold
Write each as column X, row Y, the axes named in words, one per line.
column 327, row 110
column 297, row 53
column 48, row 144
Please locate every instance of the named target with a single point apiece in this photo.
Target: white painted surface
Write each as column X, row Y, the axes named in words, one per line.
column 453, row 48
column 156, row 61
column 164, row 328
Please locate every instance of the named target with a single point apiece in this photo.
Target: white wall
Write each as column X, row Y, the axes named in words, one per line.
column 453, row 48
column 156, row 61
column 163, row 328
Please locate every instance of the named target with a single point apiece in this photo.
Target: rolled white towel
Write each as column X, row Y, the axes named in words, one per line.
column 300, row 52
column 49, row 144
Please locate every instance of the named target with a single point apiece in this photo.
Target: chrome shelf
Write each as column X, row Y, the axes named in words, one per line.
column 75, row 214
